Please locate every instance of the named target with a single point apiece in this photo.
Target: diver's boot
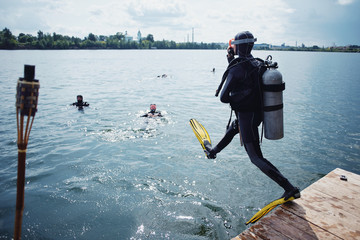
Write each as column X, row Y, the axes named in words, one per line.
column 295, row 192
column 210, row 154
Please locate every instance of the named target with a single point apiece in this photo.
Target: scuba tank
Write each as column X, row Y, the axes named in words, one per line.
column 272, row 88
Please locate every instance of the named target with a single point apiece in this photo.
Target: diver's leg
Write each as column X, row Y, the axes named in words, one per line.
column 229, row 135
column 248, row 122
column 267, row 167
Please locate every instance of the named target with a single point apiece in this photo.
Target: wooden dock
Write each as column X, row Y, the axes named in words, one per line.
column 327, row 209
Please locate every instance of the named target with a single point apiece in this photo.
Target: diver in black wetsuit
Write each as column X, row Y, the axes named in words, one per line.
column 242, row 92
column 80, row 104
column 153, row 112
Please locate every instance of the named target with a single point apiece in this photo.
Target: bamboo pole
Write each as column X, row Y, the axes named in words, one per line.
column 26, row 106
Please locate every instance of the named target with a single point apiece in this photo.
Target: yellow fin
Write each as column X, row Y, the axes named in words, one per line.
column 265, row 210
column 200, row 132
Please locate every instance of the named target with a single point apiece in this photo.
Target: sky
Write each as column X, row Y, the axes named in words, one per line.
column 293, row 22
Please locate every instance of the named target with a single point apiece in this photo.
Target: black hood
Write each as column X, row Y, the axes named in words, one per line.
column 244, row 42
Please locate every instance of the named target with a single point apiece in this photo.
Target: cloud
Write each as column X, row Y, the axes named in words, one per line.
column 159, row 13
column 97, row 12
column 345, row 2
column 276, row 22
column 267, row 20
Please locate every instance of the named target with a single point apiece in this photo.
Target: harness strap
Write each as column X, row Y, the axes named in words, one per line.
column 273, row 108
column 227, row 127
column 274, row 87
column 232, row 64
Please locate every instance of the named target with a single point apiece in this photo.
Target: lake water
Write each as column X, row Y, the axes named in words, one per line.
column 107, row 173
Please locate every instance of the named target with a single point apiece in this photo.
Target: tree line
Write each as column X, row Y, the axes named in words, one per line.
column 92, row 41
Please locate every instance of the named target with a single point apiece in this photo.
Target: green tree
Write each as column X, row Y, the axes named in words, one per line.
column 40, row 35
column 92, row 37
column 7, row 40
column 102, row 38
column 61, row 44
column 41, row 44
column 26, row 38
column 145, row 44
column 49, row 41
column 21, row 38
column 57, row 37
column 120, row 36
column 150, row 38
column 75, row 42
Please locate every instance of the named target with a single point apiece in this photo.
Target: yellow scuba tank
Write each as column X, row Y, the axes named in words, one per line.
column 273, row 87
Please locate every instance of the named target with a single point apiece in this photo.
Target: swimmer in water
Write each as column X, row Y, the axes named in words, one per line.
column 162, row 76
column 153, row 112
column 80, row 103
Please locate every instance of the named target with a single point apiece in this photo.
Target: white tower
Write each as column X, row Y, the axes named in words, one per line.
column 139, row 36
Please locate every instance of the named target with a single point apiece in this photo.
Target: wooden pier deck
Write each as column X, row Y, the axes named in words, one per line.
column 327, row 209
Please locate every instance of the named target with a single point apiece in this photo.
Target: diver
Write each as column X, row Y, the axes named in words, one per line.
column 153, row 112
column 162, row 76
column 242, row 91
column 80, row 103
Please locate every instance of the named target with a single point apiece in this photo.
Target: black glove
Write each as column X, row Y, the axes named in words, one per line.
column 230, row 55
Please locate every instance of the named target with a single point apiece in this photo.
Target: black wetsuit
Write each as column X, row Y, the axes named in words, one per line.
column 80, row 104
column 242, row 91
column 152, row 114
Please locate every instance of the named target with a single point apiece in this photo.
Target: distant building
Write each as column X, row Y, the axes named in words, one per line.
column 261, row 46
column 128, row 38
column 139, row 36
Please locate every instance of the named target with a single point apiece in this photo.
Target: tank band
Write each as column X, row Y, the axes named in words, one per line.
column 274, row 87
column 273, row 108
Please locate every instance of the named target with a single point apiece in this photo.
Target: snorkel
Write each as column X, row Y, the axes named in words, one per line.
column 231, row 47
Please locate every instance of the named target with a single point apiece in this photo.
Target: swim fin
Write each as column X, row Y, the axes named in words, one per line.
column 265, row 210
column 201, row 134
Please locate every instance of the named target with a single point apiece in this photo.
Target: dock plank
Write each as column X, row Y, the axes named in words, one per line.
column 349, row 192
column 326, row 212
column 352, row 177
column 327, row 209
column 297, row 227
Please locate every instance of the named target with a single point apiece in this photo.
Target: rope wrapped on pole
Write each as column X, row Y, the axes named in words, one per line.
column 27, row 93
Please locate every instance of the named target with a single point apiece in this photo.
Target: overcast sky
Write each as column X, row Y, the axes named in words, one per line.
column 312, row 22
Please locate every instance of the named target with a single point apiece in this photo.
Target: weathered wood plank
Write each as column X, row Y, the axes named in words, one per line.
column 327, row 212
column 296, row 227
column 352, row 177
column 287, row 226
column 328, row 209
column 247, row 235
column 345, row 191
column 264, row 232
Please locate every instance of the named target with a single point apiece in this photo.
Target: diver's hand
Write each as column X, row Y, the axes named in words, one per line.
column 210, row 155
column 208, row 150
column 230, row 54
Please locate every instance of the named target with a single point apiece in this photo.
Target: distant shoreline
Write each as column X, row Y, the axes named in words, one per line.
column 312, row 49
column 119, row 41
column 122, row 49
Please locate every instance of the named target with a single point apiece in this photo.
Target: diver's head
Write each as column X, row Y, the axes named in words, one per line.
column 244, row 42
column 79, row 98
column 152, row 108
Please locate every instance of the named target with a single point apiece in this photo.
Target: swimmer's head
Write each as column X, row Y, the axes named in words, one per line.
column 79, row 98
column 152, row 108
